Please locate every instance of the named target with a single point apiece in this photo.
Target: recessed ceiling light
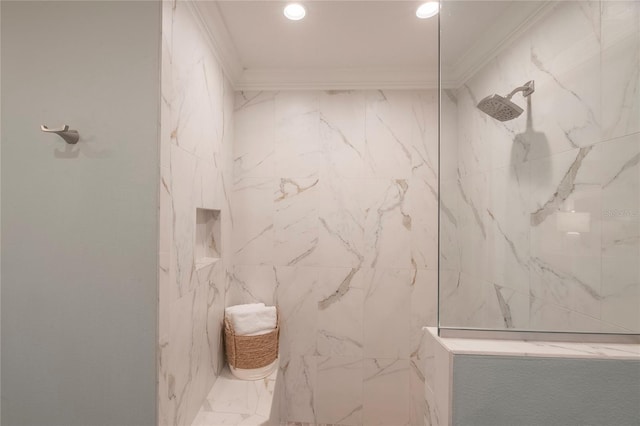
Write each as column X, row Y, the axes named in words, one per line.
column 427, row 10
column 294, row 11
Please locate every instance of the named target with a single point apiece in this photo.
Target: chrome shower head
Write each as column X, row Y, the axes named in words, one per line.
column 501, row 107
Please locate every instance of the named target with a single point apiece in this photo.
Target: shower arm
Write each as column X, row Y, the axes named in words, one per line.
column 527, row 89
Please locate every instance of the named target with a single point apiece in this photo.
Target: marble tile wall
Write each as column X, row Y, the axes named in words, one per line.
column 335, row 221
column 508, row 188
column 196, row 172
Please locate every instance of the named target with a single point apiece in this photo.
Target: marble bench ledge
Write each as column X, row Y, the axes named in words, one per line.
column 499, row 347
column 239, row 402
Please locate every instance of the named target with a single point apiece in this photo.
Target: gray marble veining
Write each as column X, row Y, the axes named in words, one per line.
column 513, row 254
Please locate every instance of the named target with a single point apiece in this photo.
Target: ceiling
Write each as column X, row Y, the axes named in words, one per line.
column 357, row 44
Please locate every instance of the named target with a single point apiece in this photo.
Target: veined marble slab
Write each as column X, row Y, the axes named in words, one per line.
column 239, row 402
column 497, row 347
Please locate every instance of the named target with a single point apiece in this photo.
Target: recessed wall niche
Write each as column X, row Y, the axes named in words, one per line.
column 208, row 247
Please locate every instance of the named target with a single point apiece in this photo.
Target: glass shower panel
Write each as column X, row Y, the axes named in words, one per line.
column 540, row 214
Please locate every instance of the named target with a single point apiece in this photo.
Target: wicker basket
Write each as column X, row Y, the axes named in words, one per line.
column 248, row 352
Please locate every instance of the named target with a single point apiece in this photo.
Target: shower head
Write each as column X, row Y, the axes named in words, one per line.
column 501, row 107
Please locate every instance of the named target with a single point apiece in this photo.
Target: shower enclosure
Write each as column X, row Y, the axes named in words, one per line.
column 539, row 215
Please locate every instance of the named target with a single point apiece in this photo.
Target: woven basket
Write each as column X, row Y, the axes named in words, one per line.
column 250, row 352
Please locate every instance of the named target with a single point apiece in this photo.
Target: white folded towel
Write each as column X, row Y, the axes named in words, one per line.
column 249, row 307
column 252, row 319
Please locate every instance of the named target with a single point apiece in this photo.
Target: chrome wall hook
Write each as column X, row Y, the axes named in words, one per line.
column 69, row 136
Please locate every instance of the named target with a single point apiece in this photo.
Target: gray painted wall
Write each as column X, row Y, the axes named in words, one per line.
column 496, row 391
column 79, row 224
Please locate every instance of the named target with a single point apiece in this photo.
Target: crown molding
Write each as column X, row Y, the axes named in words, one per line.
column 495, row 40
column 337, row 79
column 212, row 24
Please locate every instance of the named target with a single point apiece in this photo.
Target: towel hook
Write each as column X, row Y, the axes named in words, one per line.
column 70, row 136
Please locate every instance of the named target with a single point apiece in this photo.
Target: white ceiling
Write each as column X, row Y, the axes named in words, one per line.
column 354, row 43
column 336, row 34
